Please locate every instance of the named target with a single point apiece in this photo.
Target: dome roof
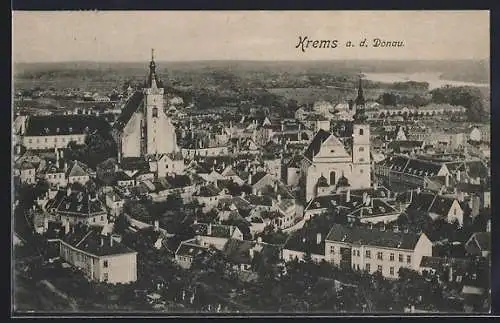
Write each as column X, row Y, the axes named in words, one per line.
column 343, row 182
column 323, row 182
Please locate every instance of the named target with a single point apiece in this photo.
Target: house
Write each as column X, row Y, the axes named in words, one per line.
column 189, row 250
column 479, row 244
column 215, row 235
column 78, row 172
column 57, row 131
column 123, row 179
column 27, row 172
column 166, row 164
column 407, row 172
column 376, row 250
column 239, row 253
column 77, row 207
column 100, row 258
column 259, row 179
column 208, row 196
column 307, row 240
column 438, row 207
column 115, row 203
column 449, row 269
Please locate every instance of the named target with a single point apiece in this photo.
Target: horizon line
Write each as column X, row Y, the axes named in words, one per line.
column 260, row 60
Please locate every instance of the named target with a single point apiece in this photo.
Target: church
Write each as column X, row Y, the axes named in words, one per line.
column 341, row 160
column 143, row 129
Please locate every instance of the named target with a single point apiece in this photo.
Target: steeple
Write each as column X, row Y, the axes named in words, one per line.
column 360, row 100
column 152, row 79
column 359, row 116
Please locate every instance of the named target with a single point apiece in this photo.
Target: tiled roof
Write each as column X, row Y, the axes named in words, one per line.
column 218, row 230
column 482, row 242
column 191, row 249
column 316, row 143
column 370, row 237
column 208, row 191
column 431, row 203
column 256, row 200
column 90, row 242
column 78, row 169
column 305, row 240
column 78, row 203
column 132, row 105
column 257, row 177
column 408, row 144
column 134, row 163
column 63, row 125
column 411, row 166
column 238, row 251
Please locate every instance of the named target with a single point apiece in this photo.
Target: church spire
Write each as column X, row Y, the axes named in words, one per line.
column 359, row 116
column 360, row 99
column 152, row 80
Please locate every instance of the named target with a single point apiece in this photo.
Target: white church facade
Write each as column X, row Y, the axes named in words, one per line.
column 331, row 163
column 143, row 128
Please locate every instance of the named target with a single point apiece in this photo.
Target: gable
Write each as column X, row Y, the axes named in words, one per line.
column 332, row 147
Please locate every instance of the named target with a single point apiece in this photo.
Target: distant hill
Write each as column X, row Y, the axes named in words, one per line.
column 460, row 70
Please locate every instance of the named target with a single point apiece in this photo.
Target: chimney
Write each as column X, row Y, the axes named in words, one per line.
column 282, row 126
column 259, row 193
column 250, row 179
column 348, row 195
column 375, row 186
column 318, row 238
column 382, row 228
column 450, row 274
column 65, row 166
column 195, row 221
column 276, row 186
column 365, row 195
column 411, row 196
column 209, row 229
column 116, row 167
column 57, row 157
column 419, row 190
column 18, row 149
column 278, row 198
column 251, row 251
column 110, row 241
column 102, row 241
column 68, row 191
column 259, row 240
column 371, row 226
column 242, row 194
column 458, row 175
column 156, row 225
column 45, row 223
column 254, row 191
column 447, row 180
column 395, row 228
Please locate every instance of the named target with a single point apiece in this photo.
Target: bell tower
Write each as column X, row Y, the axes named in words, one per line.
column 361, row 143
column 153, row 104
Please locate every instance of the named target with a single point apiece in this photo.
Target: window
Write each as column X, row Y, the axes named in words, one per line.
column 55, row 139
column 361, row 149
column 29, row 140
column 332, row 250
column 379, row 268
column 105, row 277
column 358, row 253
column 361, row 160
column 391, row 271
column 354, row 252
column 361, row 132
column 102, row 218
column 379, row 255
column 400, row 258
column 45, row 139
column 155, row 112
column 454, row 211
column 105, row 264
column 368, row 254
column 332, row 178
column 391, row 257
column 367, row 267
column 408, row 259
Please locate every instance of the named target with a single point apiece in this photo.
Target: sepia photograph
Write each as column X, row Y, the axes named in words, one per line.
column 250, row 162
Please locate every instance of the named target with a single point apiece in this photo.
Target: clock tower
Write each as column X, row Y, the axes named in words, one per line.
column 153, row 106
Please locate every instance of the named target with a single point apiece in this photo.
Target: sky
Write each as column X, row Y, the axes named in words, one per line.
column 128, row 36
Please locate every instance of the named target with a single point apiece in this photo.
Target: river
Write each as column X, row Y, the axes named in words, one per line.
column 434, row 79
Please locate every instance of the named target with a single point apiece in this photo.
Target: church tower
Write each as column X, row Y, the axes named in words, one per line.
column 160, row 134
column 361, row 143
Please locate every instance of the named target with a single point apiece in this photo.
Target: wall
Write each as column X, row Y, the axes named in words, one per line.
column 131, row 136
column 121, row 268
column 51, row 142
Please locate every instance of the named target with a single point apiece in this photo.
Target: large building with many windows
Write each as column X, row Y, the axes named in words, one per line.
column 374, row 250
